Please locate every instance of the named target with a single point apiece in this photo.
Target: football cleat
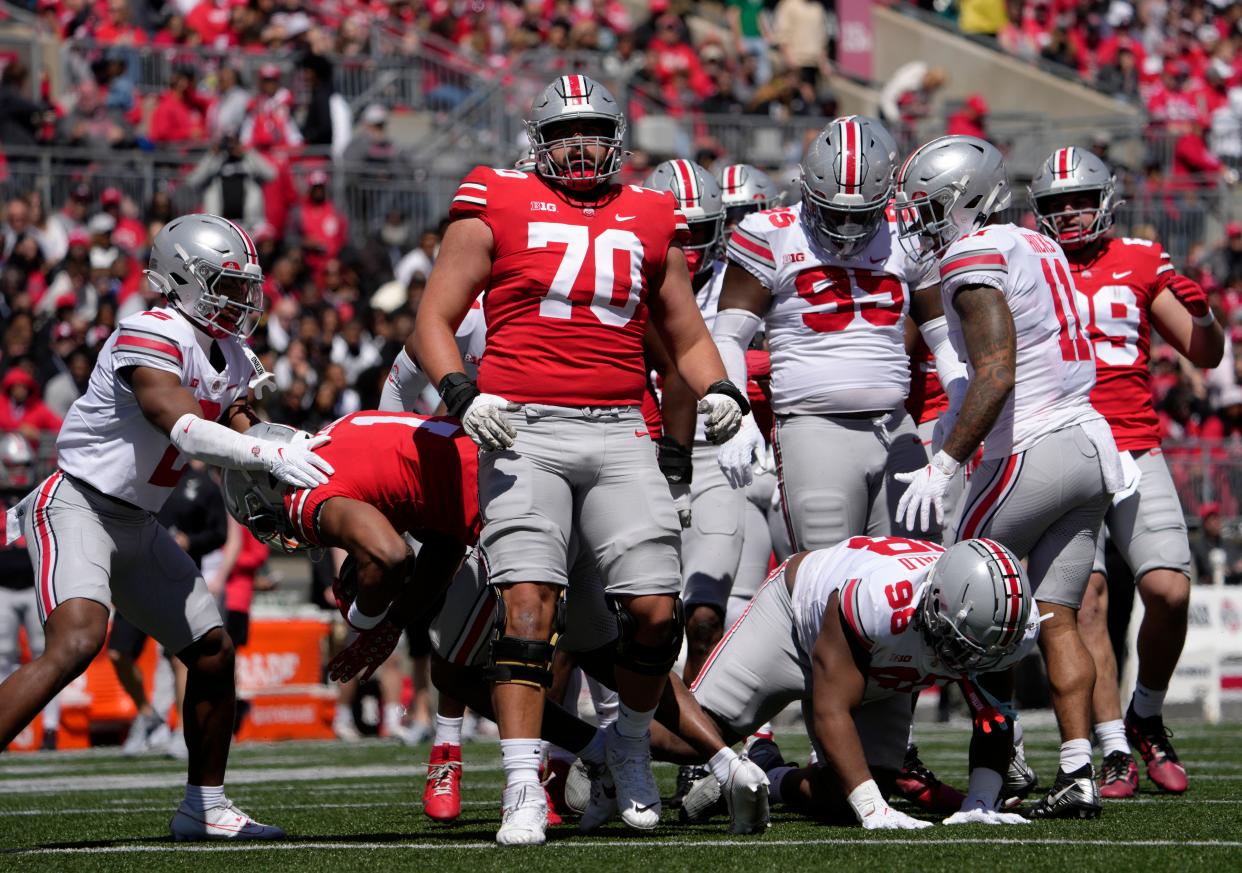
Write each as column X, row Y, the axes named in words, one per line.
column 629, row 761
column 1020, row 779
column 703, row 799
column 1119, row 776
column 746, row 794
column 577, row 787
column 602, row 805
column 222, row 822
column 442, row 795
column 1151, row 738
column 525, row 821
column 920, row 786
column 687, row 775
column 555, row 774
column 1073, row 795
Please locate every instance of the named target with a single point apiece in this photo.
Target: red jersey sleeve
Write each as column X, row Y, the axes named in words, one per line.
column 470, row 201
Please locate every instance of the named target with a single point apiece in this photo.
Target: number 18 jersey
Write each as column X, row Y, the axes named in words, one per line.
column 836, row 326
column 566, row 303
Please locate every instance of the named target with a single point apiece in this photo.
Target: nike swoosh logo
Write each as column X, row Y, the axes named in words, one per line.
column 641, row 433
column 626, row 217
column 641, row 808
column 878, row 260
column 1122, row 275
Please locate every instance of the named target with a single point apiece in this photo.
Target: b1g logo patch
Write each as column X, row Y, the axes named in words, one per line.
column 542, row 206
column 795, row 257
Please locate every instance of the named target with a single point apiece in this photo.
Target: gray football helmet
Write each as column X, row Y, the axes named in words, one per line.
column 847, row 181
column 568, row 99
column 976, row 606
column 698, row 198
column 745, row 189
column 208, row 269
column 947, row 189
column 255, row 498
column 1068, row 171
column 17, row 463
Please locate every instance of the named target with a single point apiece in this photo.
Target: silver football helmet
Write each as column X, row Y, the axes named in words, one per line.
column 698, row 198
column 745, row 189
column 255, row 498
column 847, row 181
column 975, row 607
column 208, row 269
column 1070, row 171
column 17, row 463
column 562, row 152
column 947, row 189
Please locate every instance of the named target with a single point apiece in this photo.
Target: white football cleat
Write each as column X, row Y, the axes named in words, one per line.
column 602, row 802
column 746, row 792
column 525, row 822
column 638, row 797
column 223, row 822
column 578, row 787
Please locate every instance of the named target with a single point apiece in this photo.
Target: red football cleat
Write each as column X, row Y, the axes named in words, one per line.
column 1151, row 738
column 1119, row 777
column 920, row 786
column 554, row 774
column 442, row 796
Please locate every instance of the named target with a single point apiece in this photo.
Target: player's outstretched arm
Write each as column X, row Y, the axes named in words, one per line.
column 1181, row 314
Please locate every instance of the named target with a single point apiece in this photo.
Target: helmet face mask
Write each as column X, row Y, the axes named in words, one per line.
column 231, row 302
column 1078, row 179
column 924, row 228
column 255, row 499
column 576, row 134
column 846, row 230
column 847, row 182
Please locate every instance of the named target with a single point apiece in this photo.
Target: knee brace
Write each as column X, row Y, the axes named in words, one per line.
column 643, row 659
column 517, row 660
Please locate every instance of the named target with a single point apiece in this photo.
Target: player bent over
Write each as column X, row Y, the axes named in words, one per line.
column 854, row 631
column 169, row 384
column 575, row 268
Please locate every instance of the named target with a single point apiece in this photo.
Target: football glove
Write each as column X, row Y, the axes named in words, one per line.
column 484, row 421
column 296, row 463
column 979, row 815
column 1191, row 295
column 722, row 407
column 365, row 654
column 927, row 489
column 677, row 466
column 737, row 455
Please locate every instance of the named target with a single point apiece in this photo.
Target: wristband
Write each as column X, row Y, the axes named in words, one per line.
column 1204, row 320
column 866, row 799
column 361, row 622
column 945, row 463
column 675, row 461
column 457, row 391
column 728, row 389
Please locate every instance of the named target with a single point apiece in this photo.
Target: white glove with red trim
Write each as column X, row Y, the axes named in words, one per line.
column 927, row 489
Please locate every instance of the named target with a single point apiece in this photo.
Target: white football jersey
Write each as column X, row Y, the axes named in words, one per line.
column 836, row 327
column 880, row 580
column 407, row 388
column 1055, row 364
column 108, row 443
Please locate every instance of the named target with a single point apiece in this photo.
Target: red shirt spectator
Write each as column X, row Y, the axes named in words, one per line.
column 1193, row 164
column 21, row 408
column 322, row 227
column 672, row 54
column 178, row 117
column 970, row 119
column 269, row 125
column 210, row 20
column 129, row 233
column 116, row 28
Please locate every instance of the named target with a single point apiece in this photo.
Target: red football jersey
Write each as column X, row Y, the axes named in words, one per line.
column 566, row 304
column 1115, row 291
column 421, row 472
column 926, row 400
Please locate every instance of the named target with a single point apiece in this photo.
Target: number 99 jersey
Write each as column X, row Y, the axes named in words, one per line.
column 566, row 303
column 880, row 581
column 835, row 325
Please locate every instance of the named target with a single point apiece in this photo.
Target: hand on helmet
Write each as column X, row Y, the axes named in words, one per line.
column 295, row 463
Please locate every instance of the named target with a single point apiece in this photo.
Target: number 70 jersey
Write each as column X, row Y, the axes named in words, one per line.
column 566, row 302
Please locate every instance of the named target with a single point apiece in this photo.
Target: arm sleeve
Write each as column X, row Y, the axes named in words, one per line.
column 138, row 347
column 949, row 368
column 218, row 445
column 403, row 386
column 750, row 249
column 973, row 266
column 733, row 331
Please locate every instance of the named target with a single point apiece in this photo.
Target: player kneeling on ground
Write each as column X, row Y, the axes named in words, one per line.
column 854, row 631
column 169, row 384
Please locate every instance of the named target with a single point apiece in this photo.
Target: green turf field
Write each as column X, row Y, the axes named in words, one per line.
column 356, row 806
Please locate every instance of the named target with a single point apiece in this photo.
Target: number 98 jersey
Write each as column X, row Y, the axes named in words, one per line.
column 836, row 326
column 566, row 303
column 879, row 580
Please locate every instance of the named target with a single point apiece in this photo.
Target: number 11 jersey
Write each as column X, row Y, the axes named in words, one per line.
column 566, row 303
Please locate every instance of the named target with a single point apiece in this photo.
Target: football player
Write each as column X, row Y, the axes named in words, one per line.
column 1125, row 288
column 170, row 384
column 745, row 189
column 575, row 267
column 853, row 632
column 1049, row 460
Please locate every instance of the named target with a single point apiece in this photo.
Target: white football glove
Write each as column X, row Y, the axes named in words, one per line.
column 737, row 456
column 979, row 815
column 874, row 813
column 722, row 417
column 927, row 488
column 296, row 463
column 485, row 423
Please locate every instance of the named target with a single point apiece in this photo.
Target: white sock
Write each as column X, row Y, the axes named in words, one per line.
column 1147, row 702
column 203, row 797
column 392, row 717
column 344, row 712
column 1111, row 736
column 1074, row 754
column 633, row 724
column 775, row 777
column 594, row 751
column 720, row 764
column 521, row 765
column 448, row 730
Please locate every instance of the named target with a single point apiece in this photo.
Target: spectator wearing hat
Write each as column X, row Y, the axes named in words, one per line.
column 317, row 225
column 1218, row 561
column 971, row 119
column 269, row 124
column 370, row 143
column 231, row 178
column 178, row 116
column 21, row 409
column 129, row 234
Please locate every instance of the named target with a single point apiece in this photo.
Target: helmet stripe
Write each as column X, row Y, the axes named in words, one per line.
column 850, row 133
column 251, row 253
column 689, row 184
column 1013, row 590
column 1063, row 162
column 575, row 90
column 731, row 182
